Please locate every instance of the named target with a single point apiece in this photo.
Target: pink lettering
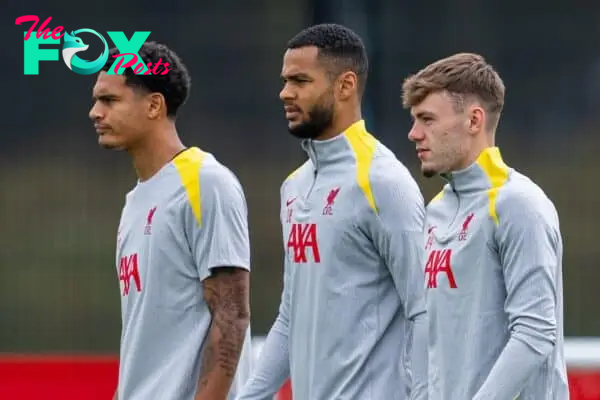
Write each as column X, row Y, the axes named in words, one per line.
column 128, row 64
column 138, row 68
column 28, row 18
column 56, row 32
column 148, row 71
column 42, row 31
column 157, row 66
column 166, row 69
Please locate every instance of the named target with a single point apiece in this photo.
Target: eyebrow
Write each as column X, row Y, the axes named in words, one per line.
column 422, row 114
column 295, row 77
column 104, row 96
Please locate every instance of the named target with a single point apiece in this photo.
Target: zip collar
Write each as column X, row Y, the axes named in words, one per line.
column 325, row 153
column 487, row 172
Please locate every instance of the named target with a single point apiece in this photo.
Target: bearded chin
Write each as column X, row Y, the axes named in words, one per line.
column 306, row 130
column 319, row 119
column 429, row 173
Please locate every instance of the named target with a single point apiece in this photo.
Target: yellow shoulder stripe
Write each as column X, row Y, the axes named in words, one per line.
column 188, row 164
column 293, row 173
column 437, row 196
column 496, row 170
column 363, row 144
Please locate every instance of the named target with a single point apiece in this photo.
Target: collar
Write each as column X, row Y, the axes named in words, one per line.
column 487, row 172
column 323, row 153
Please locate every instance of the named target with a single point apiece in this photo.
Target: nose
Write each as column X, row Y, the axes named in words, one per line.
column 415, row 134
column 95, row 114
column 286, row 93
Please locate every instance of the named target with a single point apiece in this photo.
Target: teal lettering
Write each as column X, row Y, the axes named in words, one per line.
column 129, row 46
column 33, row 54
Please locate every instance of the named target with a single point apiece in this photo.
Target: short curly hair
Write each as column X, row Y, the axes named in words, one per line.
column 174, row 85
column 340, row 47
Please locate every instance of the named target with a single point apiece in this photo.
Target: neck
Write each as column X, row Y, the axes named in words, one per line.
column 487, row 171
column 338, row 150
column 479, row 147
column 153, row 153
column 340, row 123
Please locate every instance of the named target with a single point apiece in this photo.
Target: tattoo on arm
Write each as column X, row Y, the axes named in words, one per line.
column 227, row 295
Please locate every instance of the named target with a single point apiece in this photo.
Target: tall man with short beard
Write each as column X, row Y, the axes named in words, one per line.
column 351, row 322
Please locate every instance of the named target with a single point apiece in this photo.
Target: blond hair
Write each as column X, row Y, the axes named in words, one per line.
column 464, row 76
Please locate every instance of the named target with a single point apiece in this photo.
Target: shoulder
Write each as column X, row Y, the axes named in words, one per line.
column 521, row 201
column 217, row 175
column 437, row 202
column 393, row 194
column 389, row 178
column 207, row 182
column 195, row 167
column 295, row 176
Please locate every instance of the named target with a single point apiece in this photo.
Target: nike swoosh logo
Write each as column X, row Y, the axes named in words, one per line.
column 288, row 202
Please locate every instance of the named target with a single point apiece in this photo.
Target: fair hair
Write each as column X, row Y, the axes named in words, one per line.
column 466, row 77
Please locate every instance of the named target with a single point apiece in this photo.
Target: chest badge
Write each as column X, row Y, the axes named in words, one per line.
column 328, row 209
column 429, row 242
column 462, row 236
column 148, row 229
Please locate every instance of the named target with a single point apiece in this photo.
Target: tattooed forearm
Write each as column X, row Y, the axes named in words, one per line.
column 228, row 298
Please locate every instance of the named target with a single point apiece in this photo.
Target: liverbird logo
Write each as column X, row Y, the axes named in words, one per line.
column 465, row 227
column 328, row 210
column 332, row 195
column 149, row 218
column 429, row 242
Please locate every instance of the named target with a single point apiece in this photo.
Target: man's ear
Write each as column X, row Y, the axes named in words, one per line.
column 156, row 105
column 347, row 85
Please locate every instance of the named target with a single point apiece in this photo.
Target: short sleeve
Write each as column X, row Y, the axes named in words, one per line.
column 219, row 233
